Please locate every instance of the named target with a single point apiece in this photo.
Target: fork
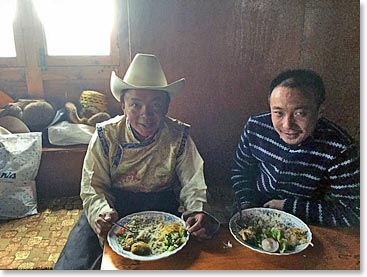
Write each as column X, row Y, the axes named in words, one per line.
column 240, row 222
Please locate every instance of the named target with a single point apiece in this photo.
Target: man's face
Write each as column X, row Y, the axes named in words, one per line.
column 294, row 114
column 145, row 109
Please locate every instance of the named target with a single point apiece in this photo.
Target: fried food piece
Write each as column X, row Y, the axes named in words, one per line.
column 141, row 248
column 129, row 241
column 247, row 234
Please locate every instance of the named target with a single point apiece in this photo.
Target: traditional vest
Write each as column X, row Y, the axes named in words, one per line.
column 147, row 166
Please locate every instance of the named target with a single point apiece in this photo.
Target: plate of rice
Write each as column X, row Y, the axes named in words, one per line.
column 270, row 231
column 148, row 236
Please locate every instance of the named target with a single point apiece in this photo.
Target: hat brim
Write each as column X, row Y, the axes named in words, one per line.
column 118, row 85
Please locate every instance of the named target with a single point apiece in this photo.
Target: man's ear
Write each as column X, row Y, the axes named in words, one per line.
column 122, row 105
column 167, row 102
column 165, row 111
column 321, row 110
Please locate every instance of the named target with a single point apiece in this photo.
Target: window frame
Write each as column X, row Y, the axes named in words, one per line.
column 33, row 66
column 76, row 60
column 33, row 23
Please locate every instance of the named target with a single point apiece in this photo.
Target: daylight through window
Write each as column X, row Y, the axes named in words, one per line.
column 80, row 27
column 7, row 13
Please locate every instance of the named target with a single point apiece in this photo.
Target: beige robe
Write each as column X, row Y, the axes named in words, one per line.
column 115, row 158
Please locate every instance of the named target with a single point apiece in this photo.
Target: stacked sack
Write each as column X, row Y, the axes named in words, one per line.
column 20, row 157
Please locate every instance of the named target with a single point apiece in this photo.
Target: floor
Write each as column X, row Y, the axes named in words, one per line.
column 36, row 241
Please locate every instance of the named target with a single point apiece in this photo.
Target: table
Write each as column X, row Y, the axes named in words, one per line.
column 334, row 248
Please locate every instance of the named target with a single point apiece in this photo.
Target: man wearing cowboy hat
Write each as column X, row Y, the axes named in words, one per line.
column 142, row 160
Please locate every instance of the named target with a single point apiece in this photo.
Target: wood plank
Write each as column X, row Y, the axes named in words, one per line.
column 78, row 72
column 332, row 47
column 33, row 42
column 12, row 74
column 82, row 60
column 65, row 177
column 60, row 91
column 123, row 35
column 15, row 89
column 228, row 51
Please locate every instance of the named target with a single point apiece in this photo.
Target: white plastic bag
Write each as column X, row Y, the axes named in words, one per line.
column 20, row 157
column 66, row 133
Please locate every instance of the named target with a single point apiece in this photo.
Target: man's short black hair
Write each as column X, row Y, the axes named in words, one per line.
column 306, row 80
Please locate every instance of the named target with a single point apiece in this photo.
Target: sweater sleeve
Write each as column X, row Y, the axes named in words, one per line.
column 244, row 170
column 341, row 204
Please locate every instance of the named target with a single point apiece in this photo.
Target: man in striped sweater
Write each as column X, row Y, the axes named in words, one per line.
column 294, row 160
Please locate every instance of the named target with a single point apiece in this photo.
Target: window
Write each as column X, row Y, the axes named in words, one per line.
column 53, row 48
column 77, row 32
column 73, row 28
column 59, row 32
column 7, row 14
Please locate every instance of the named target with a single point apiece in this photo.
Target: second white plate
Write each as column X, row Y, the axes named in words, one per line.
column 267, row 215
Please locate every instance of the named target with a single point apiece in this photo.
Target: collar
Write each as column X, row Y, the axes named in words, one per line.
column 137, row 136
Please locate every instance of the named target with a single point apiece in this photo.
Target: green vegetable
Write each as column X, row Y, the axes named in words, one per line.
column 282, row 245
column 172, row 241
column 275, row 234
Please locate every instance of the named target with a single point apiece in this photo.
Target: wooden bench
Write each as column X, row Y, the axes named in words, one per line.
column 60, row 172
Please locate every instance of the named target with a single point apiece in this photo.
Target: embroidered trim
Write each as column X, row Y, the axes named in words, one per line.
column 183, row 141
column 118, row 157
column 104, row 143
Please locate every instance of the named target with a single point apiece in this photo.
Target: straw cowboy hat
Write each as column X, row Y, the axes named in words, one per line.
column 145, row 72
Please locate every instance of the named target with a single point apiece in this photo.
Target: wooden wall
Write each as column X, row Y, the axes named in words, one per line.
column 229, row 51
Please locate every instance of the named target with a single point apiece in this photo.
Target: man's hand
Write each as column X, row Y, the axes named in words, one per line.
column 104, row 223
column 275, row 204
column 201, row 226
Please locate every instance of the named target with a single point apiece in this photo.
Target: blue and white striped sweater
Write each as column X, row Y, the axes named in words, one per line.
column 319, row 178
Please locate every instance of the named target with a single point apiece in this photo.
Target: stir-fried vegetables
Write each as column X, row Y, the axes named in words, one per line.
column 151, row 236
column 173, row 235
column 273, row 236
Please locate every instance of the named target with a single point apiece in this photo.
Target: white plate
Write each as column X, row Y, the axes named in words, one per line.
column 166, row 217
column 266, row 213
